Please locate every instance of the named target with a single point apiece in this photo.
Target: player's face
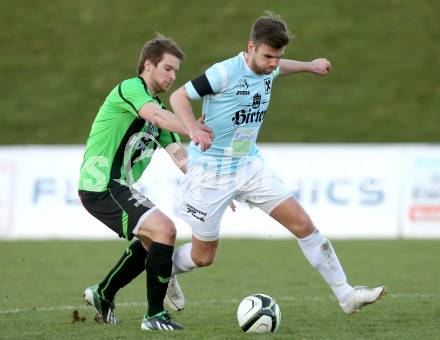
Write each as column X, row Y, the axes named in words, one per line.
column 164, row 74
column 264, row 59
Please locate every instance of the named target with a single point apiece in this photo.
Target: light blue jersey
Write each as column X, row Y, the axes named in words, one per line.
column 234, row 111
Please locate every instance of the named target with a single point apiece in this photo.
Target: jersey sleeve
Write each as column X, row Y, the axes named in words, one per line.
column 133, row 95
column 213, row 81
column 166, row 138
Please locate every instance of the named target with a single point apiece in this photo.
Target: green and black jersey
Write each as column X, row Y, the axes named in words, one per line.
column 121, row 143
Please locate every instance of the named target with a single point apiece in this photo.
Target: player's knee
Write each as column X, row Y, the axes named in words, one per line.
column 167, row 230
column 303, row 226
column 203, row 261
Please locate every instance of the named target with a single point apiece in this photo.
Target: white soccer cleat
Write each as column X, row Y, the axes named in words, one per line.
column 361, row 296
column 174, row 298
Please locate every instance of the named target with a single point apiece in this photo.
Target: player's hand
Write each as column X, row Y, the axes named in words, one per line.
column 201, row 138
column 321, row 66
column 201, row 124
column 201, row 134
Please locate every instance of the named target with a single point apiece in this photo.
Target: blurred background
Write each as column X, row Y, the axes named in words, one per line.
column 59, row 59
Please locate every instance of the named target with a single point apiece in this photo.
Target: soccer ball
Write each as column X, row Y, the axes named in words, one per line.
column 258, row 313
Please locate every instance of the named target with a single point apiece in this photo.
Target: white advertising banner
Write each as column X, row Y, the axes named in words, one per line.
column 42, row 200
column 421, row 206
column 350, row 191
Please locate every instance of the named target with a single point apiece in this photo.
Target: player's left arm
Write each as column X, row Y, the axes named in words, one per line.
column 320, row 66
column 179, row 155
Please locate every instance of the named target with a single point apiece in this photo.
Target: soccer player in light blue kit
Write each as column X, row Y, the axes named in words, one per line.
column 236, row 96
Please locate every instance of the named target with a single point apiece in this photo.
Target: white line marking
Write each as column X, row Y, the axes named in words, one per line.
column 208, row 302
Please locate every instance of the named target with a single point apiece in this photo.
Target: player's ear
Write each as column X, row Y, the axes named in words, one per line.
column 251, row 46
column 148, row 65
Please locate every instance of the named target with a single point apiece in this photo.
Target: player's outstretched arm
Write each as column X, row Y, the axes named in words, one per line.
column 162, row 118
column 320, row 66
column 199, row 133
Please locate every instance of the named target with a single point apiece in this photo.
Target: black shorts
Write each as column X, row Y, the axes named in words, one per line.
column 119, row 208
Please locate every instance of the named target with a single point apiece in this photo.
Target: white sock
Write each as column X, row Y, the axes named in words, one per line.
column 321, row 255
column 182, row 260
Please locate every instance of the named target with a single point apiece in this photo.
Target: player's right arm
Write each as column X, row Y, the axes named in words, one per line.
column 212, row 81
column 134, row 98
column 162, row 118
column 181, row 104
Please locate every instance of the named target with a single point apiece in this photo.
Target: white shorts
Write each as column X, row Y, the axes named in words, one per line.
column 202, row 197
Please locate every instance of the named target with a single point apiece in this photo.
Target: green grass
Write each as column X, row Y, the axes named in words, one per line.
column 59, row 59
column 42, row 283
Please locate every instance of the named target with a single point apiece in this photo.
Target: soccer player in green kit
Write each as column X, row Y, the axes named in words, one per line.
column 131, row 123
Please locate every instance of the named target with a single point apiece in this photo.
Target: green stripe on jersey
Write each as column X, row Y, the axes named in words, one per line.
column 108, row 156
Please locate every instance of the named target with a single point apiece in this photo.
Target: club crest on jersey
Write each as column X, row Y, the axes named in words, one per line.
column 151, row 130
column 256, row 101
column 142, row 140
column 267, row 85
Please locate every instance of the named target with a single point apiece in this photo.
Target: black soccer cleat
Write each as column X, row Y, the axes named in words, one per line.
column 161, row 321
column 105, row 309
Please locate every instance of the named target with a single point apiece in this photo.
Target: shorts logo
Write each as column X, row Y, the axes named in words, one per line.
column 200, row 215
column 139, row 200
column 242, row 93
column 267, row 85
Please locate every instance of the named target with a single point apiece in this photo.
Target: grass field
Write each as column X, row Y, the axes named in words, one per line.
column 59, row 59
column 42, row 282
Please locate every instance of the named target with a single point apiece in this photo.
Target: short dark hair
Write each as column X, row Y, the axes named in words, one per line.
column 270, row 30
column 154, row 50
